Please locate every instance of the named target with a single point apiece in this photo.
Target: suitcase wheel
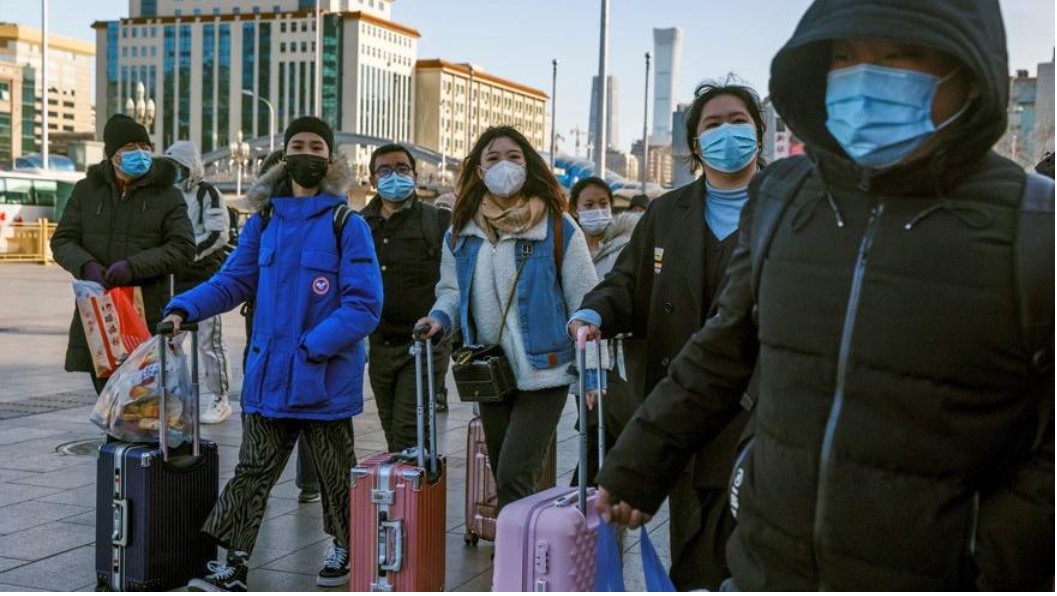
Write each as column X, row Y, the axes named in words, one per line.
column 471, row 538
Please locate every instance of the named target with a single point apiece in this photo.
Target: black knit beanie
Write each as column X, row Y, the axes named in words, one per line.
column 121, row 130
column 309, row 124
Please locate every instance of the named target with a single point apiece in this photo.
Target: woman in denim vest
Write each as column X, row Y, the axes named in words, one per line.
column 501, row 284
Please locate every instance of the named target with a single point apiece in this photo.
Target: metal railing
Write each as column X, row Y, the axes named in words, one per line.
column 27, row 242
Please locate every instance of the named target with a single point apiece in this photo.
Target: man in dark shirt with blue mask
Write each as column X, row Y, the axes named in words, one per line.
column 407, row 236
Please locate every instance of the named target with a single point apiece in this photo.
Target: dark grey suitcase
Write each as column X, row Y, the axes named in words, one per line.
column 151, row 502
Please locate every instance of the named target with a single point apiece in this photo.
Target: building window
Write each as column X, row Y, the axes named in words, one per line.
column 216, row 11
column 276, row 8
column 124, row 51
column 197, row 12
column 178, row 13
column 153, row 51
column 256, row 10
column 236, row 10
column 282, row 27
column 304, row 26
column 282, row 47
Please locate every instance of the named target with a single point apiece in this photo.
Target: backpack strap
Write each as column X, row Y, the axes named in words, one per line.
column 1033, row 269
column 559, row 244
column 431, row 229
column 341, row 215
column 214, row 196
column 780, row 182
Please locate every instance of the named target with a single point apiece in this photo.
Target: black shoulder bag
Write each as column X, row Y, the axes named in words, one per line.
column 484, row 373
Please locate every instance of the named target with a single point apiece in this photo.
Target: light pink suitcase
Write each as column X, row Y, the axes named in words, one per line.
column 397, row 509
column 546, row 542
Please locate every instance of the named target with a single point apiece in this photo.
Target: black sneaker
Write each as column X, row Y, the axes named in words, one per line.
column 335, row 571
column 308, row 496
column 224, row 576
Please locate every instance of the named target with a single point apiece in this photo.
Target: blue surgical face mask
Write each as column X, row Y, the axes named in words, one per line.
column 728, row 148
column 395, row 187
column 135, row 162
column 881, row 115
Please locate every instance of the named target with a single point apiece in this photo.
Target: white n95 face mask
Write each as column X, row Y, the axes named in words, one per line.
column 504, row 178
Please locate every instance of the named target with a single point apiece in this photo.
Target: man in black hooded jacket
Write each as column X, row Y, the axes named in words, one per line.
column 904, row 422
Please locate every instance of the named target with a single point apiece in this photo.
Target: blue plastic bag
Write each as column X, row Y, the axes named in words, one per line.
column 609, row 567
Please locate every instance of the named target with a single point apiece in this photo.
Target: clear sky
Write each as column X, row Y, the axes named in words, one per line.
column 517, row 39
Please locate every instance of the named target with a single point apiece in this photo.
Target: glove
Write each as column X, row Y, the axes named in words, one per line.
column 93, row 271
column 119, row 274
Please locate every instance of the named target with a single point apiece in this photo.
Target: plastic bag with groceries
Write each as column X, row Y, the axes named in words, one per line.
column 114, row 323
column 127, row 409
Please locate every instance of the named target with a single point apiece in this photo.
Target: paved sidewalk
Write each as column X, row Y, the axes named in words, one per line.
column 47, row 497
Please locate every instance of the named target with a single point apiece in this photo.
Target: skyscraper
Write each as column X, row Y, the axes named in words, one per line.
column 667, row 50
column 612, row 112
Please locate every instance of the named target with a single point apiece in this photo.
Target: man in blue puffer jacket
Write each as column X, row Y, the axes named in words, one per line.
column 315, row 279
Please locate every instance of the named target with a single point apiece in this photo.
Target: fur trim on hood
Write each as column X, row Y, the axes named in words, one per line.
column 275, row 182
column 618, row 234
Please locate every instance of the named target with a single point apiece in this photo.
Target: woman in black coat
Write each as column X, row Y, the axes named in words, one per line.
column 662, row 289
column 125, row 225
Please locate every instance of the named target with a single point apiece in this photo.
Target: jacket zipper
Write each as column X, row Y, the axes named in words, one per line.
column 826, row 455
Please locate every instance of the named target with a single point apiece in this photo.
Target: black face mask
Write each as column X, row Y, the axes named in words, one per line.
column 307, row 170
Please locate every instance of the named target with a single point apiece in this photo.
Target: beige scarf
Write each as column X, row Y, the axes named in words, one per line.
column 523, row 215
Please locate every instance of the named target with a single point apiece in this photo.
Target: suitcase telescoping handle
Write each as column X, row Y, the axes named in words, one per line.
column 581, row 361
column 164, row 330
column 422, row 348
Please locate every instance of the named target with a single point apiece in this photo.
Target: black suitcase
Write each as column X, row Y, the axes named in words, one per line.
column 150, row 504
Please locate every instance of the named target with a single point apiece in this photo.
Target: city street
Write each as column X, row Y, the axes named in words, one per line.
column 47, row 471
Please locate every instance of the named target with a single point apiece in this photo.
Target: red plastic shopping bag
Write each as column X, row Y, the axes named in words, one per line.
column 114, row 323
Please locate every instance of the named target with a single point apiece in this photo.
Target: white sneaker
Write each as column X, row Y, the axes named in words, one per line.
column 216, row 411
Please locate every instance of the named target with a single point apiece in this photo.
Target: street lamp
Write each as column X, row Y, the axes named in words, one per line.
column 554, row 107
column 240, row 154
column 603, row 58
column 271, row 119
column 141, row 109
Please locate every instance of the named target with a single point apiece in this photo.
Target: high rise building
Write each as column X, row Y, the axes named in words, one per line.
column 69, row 67
column 681, row 174
column 667, row 52
column 612, row 118
column 196, row 58
column 455, row 103
column 659, row 163
column 1042, row 133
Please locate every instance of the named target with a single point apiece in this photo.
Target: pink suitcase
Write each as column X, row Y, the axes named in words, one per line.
column 397, row 517
column 482, row 501
column 546, row 542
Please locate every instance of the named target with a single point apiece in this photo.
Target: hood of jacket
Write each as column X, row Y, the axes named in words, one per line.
column 971, row 31
column 162, row 173
column 276, row 182
column 186, row 154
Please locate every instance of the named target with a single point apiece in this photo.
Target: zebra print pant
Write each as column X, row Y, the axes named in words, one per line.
column 266, row 446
